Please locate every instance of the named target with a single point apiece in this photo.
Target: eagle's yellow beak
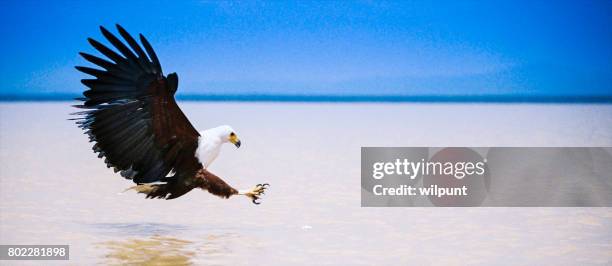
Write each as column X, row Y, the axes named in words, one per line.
column 234, row 139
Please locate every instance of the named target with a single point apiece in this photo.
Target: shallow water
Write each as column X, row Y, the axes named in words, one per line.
column 54, row 190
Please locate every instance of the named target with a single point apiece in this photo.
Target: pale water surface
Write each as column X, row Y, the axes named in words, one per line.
column 54, row 190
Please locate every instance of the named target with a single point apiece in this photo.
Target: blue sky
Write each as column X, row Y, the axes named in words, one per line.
column 329, row 47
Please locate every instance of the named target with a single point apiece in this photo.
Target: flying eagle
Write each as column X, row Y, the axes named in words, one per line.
column 137, row 126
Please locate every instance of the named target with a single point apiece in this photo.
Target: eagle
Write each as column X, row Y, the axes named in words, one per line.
column 131, row 115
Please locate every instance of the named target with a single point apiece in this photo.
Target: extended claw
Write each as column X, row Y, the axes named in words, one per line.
column 256, row 192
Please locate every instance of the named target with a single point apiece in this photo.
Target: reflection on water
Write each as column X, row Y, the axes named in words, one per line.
column 163, row 244
column 155, row 250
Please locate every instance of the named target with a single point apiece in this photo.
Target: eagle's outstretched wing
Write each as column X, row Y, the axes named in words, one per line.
column 132, row 115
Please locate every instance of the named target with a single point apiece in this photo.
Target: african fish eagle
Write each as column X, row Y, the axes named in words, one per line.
column 137, row 126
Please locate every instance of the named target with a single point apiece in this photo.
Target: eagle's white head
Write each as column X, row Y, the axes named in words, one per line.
column 227, row 134
column 211, row 140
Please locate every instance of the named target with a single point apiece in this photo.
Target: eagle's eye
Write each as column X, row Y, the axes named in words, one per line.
column 232, row 134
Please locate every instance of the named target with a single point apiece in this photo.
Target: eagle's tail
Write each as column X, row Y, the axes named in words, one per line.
column 151, row 190
column 159, row 191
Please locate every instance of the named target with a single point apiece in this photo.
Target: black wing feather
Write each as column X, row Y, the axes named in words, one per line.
column 118, row 44
column 132, row 116
column 151, row 53
column 106, row 51
column 98, row 61
column 142, row 57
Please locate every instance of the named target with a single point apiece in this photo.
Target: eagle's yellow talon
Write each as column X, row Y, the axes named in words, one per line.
column 255, row 193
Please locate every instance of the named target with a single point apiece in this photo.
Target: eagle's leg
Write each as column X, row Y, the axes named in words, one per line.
column 218, row 187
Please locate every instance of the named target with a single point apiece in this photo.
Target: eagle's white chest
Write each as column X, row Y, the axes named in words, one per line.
column 208, row 150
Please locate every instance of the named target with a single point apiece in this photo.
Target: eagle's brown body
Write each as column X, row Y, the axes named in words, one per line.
column 202, row 179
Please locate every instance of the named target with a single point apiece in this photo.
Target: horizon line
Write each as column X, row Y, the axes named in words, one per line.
column 417, row 98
